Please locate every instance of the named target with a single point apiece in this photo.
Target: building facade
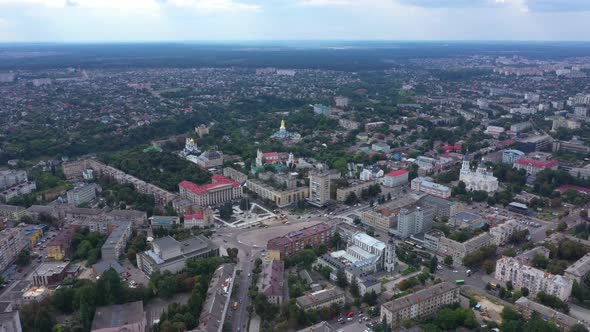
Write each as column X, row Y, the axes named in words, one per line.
column 281, row 198
column 114, row 246
column 321, row 299
column 478, row 179
column 511, row 269
column 295, row 241
column 421, row 304
column 221, row 190
column 426, row 185
column 395, row 178
column 319, row 187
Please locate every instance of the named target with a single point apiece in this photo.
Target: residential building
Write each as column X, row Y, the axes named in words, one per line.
column 321, row 299
column 503, row 232
column 414, row 220
column 580, row 172
column 370, row 173
column 511, row 269
column 20, row 189
column 128, row 317
column 432, row 239
column 12, row 212
column 221, row 190
column 564, row 123
column 11, row 244
column 214, row 311
column 50, row 274
column 114, row 246
column 479, row 179
column 426, row 185
column 526, row 308
column 201, row 218
column 458, row 250
column 273, row 281
column 532, row 167
column 60, row 246
column 295, row 241
column 280, row 197
column 423, row 303
column 381, row 218
column 381, row 147
column 579, row 269
column 82, row 194
column 510, row 156
column 395, row 178
column 319, row 186
column 171, row 255
column 356, row 188
column 10, row 178
column 374, row 125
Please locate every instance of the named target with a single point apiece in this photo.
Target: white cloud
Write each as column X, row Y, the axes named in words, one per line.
column 126, row 5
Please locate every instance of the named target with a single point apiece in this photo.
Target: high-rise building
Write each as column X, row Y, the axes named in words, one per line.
column 414, row 220
column 319, row 186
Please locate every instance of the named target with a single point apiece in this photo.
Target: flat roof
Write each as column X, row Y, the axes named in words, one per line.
column 419, row 296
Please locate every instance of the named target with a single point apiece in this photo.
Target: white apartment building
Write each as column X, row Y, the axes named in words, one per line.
column 503, row 232
column 11, row 243
column 319, row 187
column 510, row 269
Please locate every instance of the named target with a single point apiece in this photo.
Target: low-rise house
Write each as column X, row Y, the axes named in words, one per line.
column 321, row 299
column 273, row 281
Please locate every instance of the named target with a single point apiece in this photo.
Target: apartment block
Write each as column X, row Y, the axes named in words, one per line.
column 458, row 250
column 319, row 186
column 82, row 194
column 356, row 188
column 511, row 269
column 383, row 219
column 421, row 304
column 321, row 299
column 273, row 281
column 12, row 212
column 395, row 178
column 503, row 232
column 579, row 269
column 11, row 243
column 114, row 245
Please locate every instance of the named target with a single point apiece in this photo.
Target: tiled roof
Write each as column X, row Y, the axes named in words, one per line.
column 218, row 181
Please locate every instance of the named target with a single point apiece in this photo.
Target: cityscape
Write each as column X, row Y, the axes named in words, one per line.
column 294, row 184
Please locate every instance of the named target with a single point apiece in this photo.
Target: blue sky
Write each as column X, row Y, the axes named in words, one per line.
column 202, row 20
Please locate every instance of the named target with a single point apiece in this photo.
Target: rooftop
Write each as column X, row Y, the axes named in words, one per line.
column 218, row 181
column 398, row 172
column 319, row 296
column 51, row 268
column 419, row 296
column 546, row 312
column 118, row 315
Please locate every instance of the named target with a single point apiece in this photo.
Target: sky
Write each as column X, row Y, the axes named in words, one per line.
column 236, row 20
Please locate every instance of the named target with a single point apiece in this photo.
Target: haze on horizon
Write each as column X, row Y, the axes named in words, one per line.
column 210, row 20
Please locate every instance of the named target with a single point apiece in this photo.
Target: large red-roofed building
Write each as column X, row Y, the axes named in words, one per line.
column 532, row 167
column 395, row 178
column 219, row 191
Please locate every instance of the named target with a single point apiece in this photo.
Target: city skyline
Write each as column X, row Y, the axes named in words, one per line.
column 251, row 20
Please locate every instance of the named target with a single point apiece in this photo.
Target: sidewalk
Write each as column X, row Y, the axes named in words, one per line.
column 254, row 323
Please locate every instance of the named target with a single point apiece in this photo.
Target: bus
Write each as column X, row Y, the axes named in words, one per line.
column 410, row 243
column 460, row 282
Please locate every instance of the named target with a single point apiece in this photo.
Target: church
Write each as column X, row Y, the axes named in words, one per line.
column 286, row 136
column 479, row 178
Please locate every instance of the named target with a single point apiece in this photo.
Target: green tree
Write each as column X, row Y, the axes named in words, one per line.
column 24, row 258
column 489, row 266
column 354, row 287
column 341, row 280
column 448, row 260
column 433, row 264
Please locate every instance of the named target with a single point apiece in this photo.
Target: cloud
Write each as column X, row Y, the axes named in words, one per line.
column 523, row 5
column 199, row 5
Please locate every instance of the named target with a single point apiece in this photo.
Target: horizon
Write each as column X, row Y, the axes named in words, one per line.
column 90, row 21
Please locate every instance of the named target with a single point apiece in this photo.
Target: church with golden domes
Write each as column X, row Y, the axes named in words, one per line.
column 286, row 136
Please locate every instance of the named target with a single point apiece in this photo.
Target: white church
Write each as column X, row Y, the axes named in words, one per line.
column 479, row 178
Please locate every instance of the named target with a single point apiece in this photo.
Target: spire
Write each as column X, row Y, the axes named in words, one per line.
column 283, row 124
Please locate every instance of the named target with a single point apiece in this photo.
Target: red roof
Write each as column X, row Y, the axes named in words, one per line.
column 564, row 187
column 397, row 173
column 270, row 154
column 217, row 181
column 537, row 163
column 199, row 215
column 451, row 147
